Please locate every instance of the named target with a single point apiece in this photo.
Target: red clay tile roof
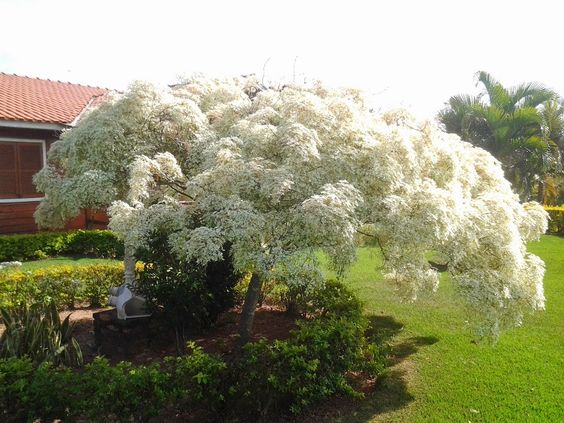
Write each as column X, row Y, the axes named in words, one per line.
column 44, row 101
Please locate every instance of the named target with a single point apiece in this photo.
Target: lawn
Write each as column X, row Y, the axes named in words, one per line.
column 62, row 261
column 440, row 374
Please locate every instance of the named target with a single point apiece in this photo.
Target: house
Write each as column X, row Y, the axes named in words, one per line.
column 33, row 112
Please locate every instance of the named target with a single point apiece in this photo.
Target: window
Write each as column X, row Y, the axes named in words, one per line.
column 19, row 161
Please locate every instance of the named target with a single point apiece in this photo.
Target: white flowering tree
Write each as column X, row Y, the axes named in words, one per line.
column 281, row 173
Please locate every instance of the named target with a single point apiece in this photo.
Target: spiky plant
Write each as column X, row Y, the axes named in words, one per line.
column 36, row 331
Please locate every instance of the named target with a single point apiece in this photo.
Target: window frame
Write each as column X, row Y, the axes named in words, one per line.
column 44, row 157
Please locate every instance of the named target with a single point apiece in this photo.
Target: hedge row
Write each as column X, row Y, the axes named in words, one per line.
column 96, row 243
column 556, row 222
column 268, row 379
column 67, row 286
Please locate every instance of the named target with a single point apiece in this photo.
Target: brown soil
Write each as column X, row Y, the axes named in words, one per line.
column 148, row 341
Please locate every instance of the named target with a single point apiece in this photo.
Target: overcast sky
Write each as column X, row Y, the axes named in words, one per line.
column 409, row 53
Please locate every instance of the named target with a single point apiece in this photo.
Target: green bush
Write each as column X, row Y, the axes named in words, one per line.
column 66, row 286
column 37, row 332
column 333, row 300
column 101, row 392
column 294, row 374
column 199, row 379
column 556, row 222
column 123, row 391
column 94, row 243
column 188, row 296
column 16, row 375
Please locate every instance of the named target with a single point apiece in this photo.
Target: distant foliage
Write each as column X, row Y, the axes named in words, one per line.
column 556, row 220
column 94, row 243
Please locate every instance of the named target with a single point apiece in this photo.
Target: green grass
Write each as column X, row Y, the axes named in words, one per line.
column 440, row 374
column 62, row 261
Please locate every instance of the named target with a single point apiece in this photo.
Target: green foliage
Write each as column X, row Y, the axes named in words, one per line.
column 15, row 378
column 37, row 332
column 44, row 244
column 265, row 379
column 199, row 378
column 333, row 300
column 294, row 374
column 122, row 391
column 187, row 295
column 556, row 222
column 66, row 286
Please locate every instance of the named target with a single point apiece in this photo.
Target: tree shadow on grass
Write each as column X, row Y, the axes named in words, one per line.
column 391, row 391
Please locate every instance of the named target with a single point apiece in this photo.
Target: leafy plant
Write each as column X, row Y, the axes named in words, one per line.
column 66, row 286
column 95, row 243
column 556, row 222
column 189, row 297
column 37, row 332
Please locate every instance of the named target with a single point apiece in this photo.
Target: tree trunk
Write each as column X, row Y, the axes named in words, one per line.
column 540, row 194
column 249, row 308
column 129, row 267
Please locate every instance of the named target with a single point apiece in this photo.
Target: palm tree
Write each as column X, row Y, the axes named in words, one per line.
column 509, row 123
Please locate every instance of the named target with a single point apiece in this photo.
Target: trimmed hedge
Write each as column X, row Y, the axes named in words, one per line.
column 67, row 286
column 556, row 222
column 102, row 392
column 95, row 243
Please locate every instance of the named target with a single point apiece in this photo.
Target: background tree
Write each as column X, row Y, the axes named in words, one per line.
column 518, row 125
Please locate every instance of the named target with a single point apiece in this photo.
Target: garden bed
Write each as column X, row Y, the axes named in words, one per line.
column 146, row 346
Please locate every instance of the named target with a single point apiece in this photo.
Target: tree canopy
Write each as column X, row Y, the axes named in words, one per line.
column 281, row 173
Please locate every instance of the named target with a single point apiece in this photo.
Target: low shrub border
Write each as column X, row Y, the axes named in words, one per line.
column 556, row 222
column 66, row 286
column 264, row 380
column 95, row 243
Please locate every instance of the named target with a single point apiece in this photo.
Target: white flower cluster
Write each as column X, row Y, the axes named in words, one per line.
column 278, row 172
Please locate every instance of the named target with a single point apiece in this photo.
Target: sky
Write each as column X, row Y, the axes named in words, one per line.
column 403, row 53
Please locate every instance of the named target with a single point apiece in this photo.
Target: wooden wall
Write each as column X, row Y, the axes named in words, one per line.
column 18, row 217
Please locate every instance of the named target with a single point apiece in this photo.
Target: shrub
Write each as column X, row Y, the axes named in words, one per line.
column 294, row 374
column 102, row 392
column 37, row 332
column 333, row 300
column 187, row 295
column 94, row 243
column 66, row 286
column 556, row 222
column 199, row 379
column 123, row 391
column 15, row 378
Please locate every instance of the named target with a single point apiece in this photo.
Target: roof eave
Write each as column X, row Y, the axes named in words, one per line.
column 32, row 125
